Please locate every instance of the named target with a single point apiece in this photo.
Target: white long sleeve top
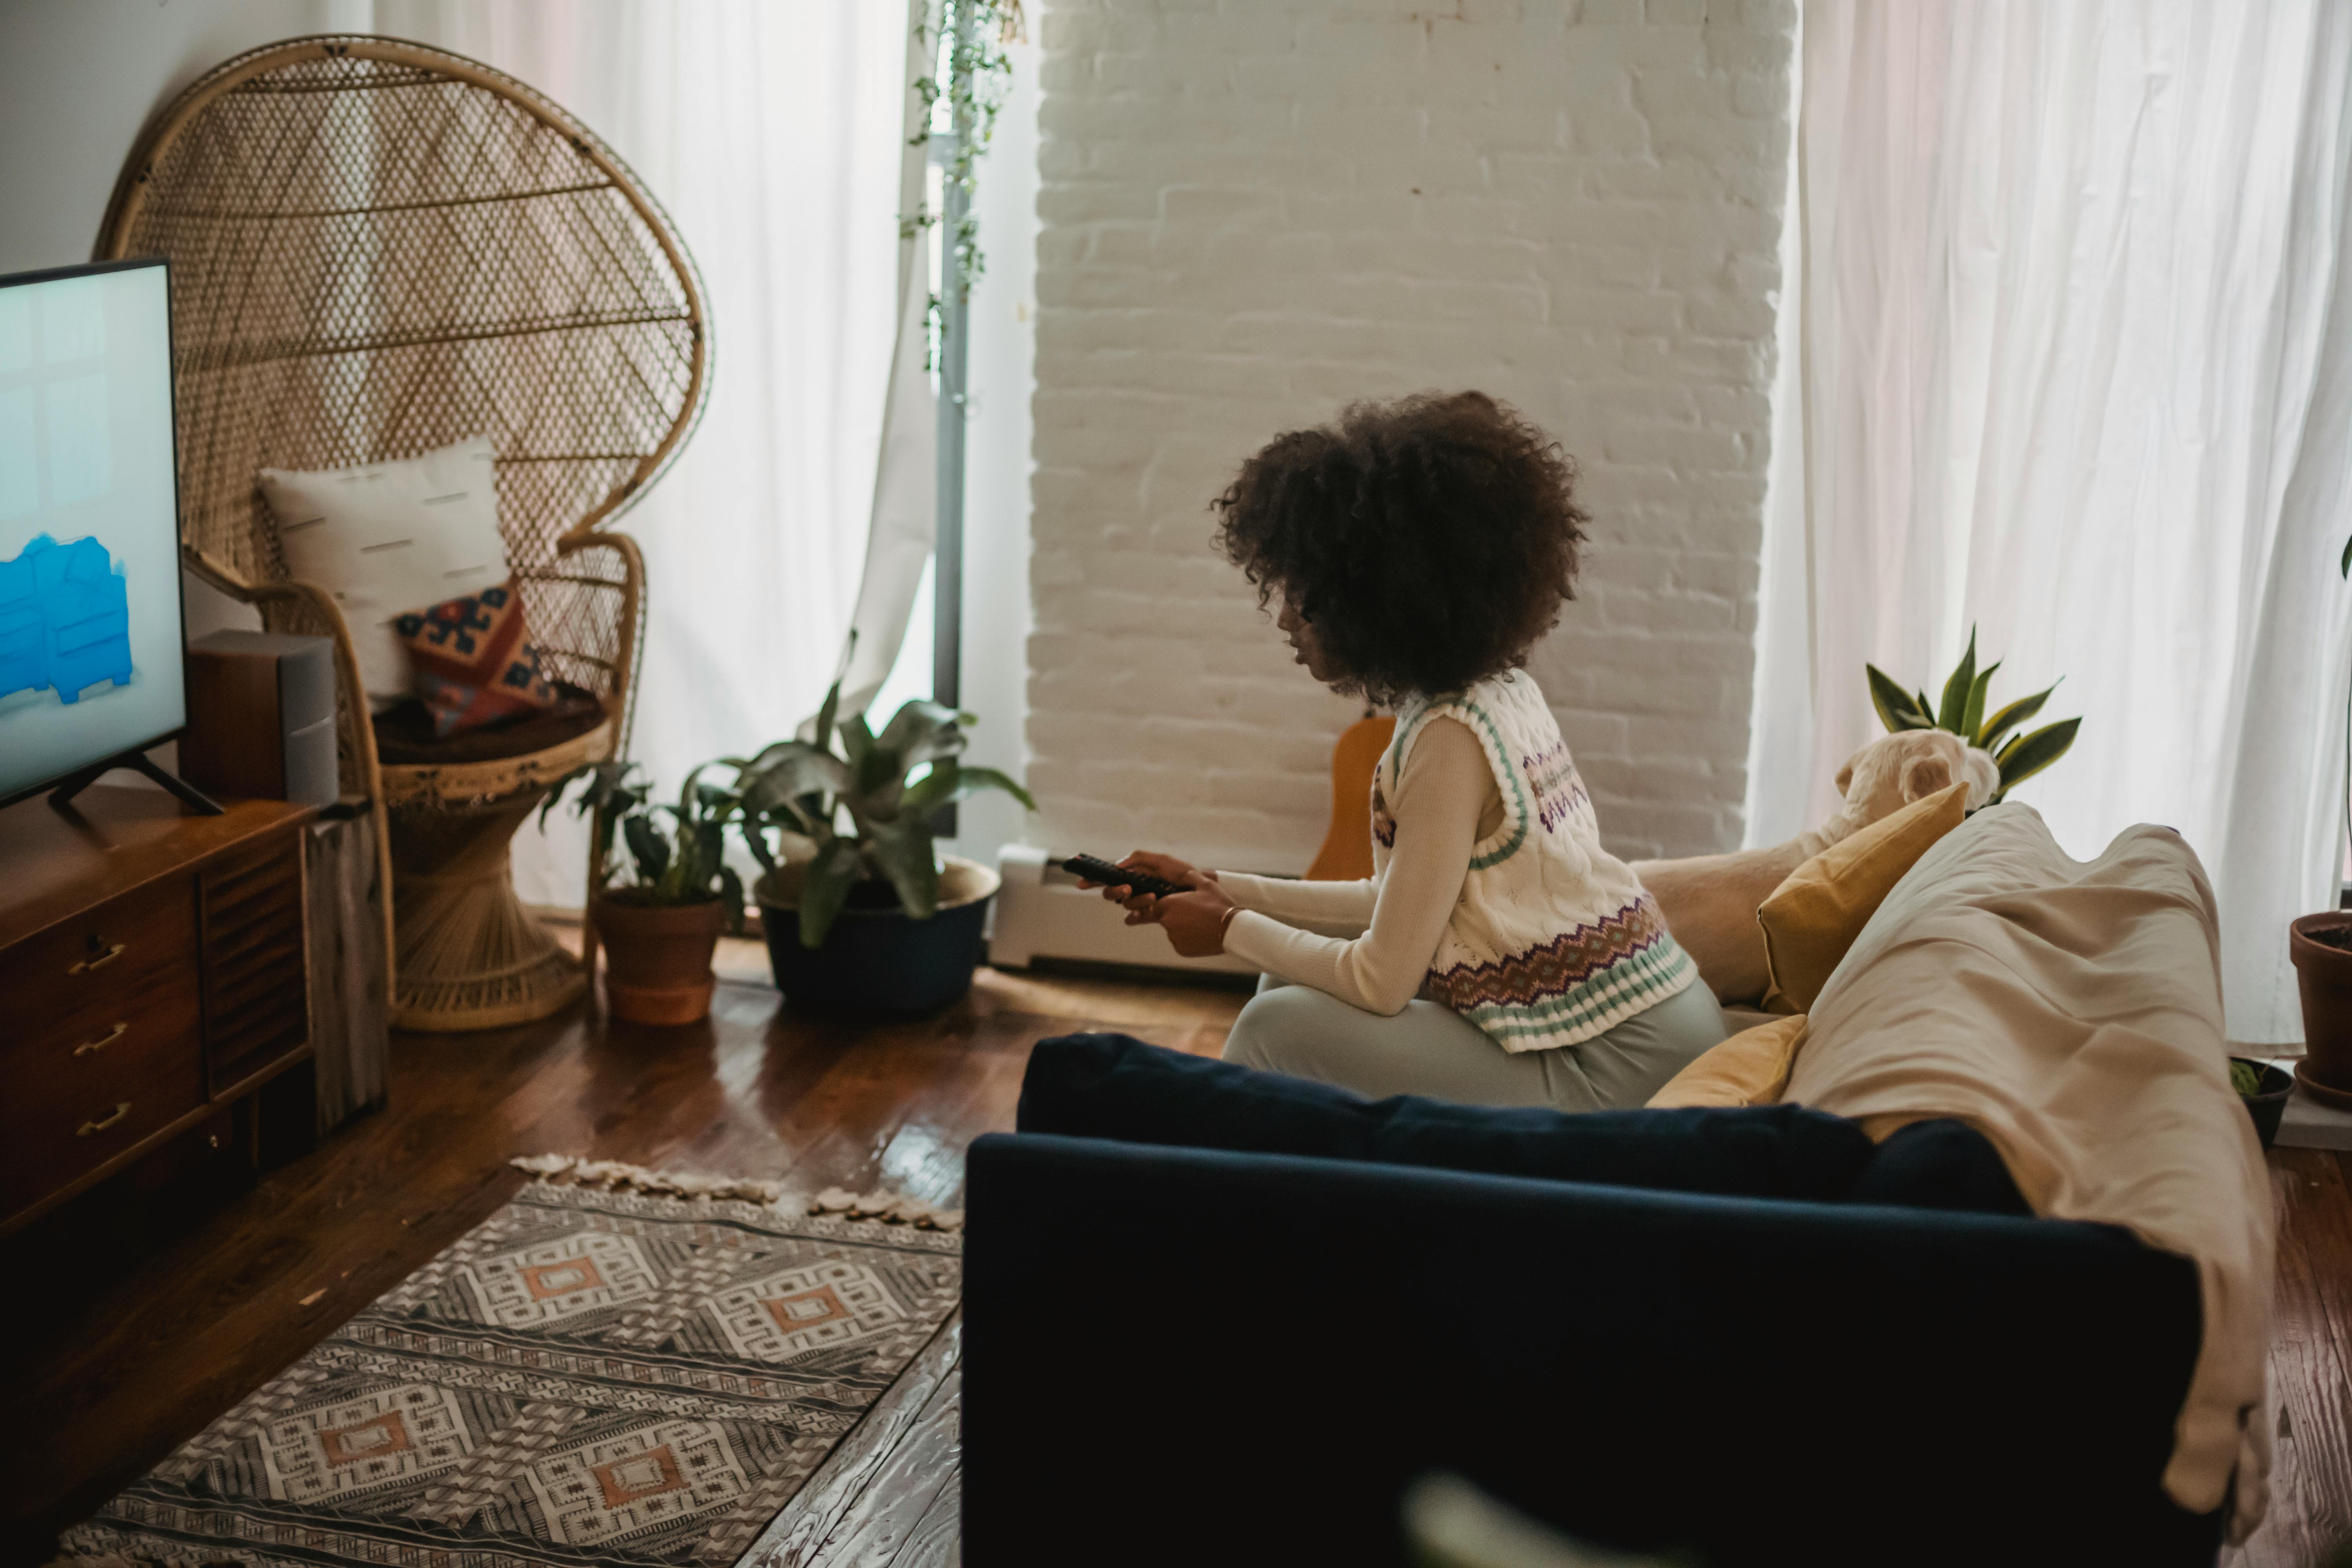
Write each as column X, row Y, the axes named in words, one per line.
column 1370, row 943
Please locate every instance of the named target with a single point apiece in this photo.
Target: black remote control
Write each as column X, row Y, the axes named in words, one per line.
column 1096, row 871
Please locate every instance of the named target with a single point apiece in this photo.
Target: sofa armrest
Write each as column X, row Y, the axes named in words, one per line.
column 1189, row 1355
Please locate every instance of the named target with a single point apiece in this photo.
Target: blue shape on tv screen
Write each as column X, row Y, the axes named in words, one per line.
column 90, row 640
column 65, row 619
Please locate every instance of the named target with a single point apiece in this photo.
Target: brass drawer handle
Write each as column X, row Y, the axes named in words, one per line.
column 103, row 1122
column 99, row 962
column 100, row 1042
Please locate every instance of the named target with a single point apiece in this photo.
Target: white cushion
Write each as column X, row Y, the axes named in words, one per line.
column 388, row 538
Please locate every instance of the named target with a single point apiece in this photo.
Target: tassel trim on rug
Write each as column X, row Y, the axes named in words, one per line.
column 889, row 1209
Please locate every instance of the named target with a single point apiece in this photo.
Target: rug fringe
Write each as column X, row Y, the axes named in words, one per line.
column 889, row 1209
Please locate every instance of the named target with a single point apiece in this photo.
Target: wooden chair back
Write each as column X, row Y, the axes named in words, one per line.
column 1347, row 852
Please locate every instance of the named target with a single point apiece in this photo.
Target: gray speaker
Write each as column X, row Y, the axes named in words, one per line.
column 262, row 717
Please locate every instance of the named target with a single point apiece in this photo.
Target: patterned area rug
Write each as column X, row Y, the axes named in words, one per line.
column 589, row 1377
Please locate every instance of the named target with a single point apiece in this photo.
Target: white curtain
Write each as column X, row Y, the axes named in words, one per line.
column 905, row 528
column 2067, row 356
column 773, row 132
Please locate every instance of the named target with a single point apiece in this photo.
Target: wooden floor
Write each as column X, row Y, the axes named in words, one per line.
column 127, row 1347
column 2311, row 1366
column 130, row 1339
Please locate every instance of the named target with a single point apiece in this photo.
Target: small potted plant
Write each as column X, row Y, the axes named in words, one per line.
column 868, row 917
column 658, row 915
column 2263, row 1090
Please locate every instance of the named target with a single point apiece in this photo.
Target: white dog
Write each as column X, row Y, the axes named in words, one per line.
column 1710, row 901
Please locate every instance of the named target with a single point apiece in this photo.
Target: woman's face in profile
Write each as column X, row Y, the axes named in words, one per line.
column 1304, row 648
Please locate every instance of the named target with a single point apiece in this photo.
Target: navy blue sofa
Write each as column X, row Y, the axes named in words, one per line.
column 1218, row 1355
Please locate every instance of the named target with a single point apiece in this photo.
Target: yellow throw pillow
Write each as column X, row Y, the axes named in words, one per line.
column 1813, row 917
column 1752, row 1067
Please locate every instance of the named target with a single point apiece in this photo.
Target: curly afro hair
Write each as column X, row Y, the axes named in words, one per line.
column 1429, row 541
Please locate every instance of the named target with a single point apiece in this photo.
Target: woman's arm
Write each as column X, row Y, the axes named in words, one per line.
column 1446, row 787
column 1334, row 909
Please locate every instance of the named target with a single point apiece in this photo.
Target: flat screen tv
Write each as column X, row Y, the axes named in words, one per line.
column 90, row 637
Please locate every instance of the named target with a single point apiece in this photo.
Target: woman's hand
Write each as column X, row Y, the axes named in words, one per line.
column 1165, row 866
column 1195, row 921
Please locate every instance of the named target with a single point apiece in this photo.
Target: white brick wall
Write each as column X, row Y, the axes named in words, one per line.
column 1253, row 211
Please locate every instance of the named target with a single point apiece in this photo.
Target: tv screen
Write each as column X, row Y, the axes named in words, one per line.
column 91, row 640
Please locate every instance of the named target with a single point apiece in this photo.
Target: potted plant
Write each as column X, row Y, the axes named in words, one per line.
column 2263, row 1090
column 660, row 912
column 2321, row 947
column 867, row 917
column 1962, row 713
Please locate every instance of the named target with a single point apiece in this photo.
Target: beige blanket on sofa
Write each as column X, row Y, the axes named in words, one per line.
column 2071, row 1013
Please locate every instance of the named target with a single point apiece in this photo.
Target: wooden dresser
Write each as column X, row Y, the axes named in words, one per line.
column 151, row 971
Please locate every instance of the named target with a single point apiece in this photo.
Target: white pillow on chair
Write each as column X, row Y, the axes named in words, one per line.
column 388, row 538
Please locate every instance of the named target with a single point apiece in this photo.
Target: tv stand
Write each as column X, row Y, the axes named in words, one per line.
column 154, row 970
column 192, row 797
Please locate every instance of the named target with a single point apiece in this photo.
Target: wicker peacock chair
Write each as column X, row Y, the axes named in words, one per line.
column 378, row 248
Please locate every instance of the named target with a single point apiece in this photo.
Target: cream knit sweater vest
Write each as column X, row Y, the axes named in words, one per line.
column 1554, row 940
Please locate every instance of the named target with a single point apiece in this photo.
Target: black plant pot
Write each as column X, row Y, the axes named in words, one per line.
column 876, row 961
column 2267, row 1107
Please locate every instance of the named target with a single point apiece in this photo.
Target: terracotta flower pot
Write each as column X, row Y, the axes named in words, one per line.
column 657, row 958
column 2323, row 974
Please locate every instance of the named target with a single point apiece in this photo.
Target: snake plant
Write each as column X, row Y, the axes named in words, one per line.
column 1962, row 712
column 807, row 787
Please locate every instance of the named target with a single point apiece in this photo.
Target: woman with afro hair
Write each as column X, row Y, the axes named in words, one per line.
column 1498, row 955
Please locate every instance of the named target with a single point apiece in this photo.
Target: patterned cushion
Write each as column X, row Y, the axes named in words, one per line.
column 474, row 667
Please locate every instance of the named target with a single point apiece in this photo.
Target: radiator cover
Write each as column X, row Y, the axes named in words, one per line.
column 1042, row 912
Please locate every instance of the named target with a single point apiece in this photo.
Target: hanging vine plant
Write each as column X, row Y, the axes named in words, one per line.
column 967, row 40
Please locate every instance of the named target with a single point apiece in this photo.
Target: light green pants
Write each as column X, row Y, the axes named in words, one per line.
column 1430, row 1049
